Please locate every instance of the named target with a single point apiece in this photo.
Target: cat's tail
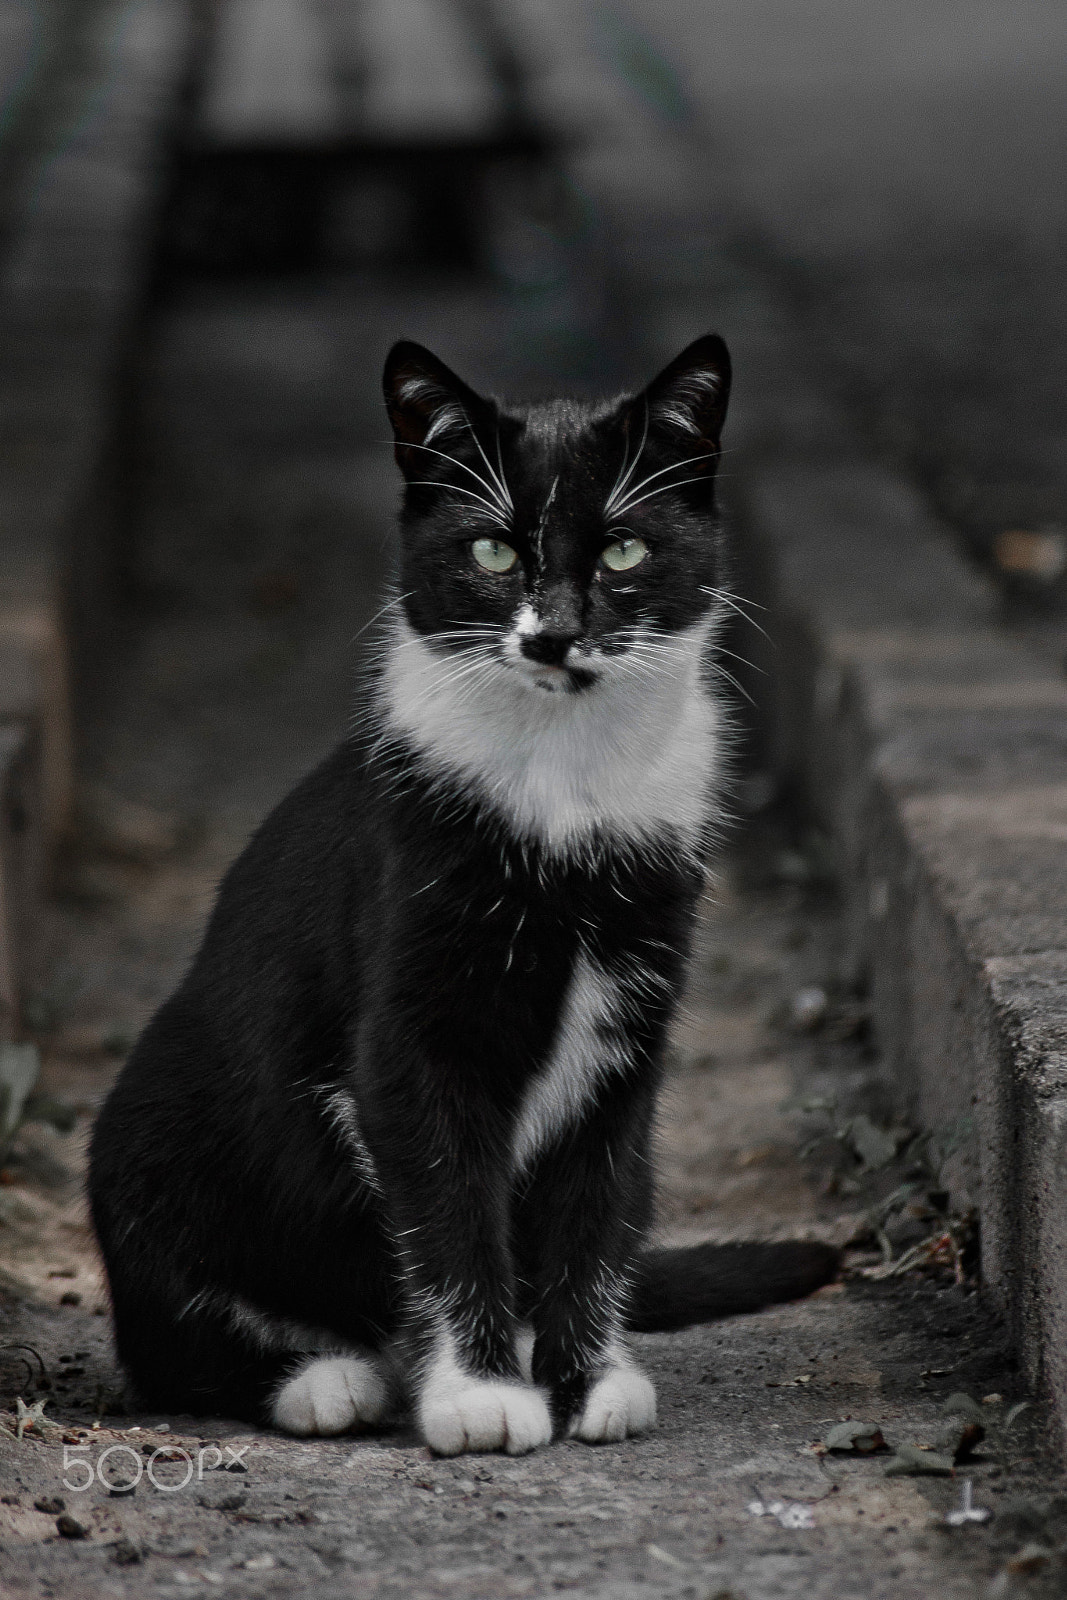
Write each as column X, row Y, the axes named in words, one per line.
column 674, row 1288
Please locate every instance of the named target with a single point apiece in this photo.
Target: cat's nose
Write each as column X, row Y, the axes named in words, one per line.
column 549, row 646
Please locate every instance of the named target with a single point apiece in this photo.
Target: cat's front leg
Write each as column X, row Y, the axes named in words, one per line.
column 583, row 1218
column 444, row 1189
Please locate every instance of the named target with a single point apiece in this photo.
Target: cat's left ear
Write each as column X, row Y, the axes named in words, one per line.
column 690, row 395
column 426, row 403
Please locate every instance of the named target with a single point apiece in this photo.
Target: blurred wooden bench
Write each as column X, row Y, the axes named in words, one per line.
column 347, row 133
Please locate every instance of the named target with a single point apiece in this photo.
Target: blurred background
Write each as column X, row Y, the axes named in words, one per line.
column 217, row 215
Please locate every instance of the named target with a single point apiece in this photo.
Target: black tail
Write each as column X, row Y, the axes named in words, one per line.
column 675, row 1288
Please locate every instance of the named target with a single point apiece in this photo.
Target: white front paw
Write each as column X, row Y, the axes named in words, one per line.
column 620, row 1404
column 478, row 1414
column 331, row 1394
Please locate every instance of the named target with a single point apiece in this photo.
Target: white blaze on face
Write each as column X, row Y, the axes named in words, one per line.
column 526, row 624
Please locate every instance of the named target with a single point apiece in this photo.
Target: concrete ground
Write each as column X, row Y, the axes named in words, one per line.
column 265, row 533
column 266, row 523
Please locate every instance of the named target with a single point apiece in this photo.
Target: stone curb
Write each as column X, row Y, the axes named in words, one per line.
column 933, row 746
column 74, row 279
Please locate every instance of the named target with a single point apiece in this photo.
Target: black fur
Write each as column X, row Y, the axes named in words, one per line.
column 389, row 938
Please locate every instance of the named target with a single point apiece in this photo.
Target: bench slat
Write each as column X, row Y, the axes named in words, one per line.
column 271, row 75
column 425, row 76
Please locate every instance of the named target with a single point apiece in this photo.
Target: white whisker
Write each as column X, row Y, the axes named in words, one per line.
column 457, row 488
column 734, row 605
column 493, row 490
column 621, row 481
column 623, row 504
column 664, row 488
column 721, row 672
column 501, row 485
column 389, row 604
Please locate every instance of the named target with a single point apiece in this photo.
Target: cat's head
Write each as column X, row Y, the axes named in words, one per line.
column 562, row 543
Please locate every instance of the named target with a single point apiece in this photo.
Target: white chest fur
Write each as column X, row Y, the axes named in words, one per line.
column 634, row 755
column 590, row 1044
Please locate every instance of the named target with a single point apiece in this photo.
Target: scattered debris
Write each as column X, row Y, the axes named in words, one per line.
column 790, row 1513
column 876, row 1147
column 125, row 1553
column 808, row 1009
column 38, row 1379
column 864, row 1142
column 1036, row 554
column 959, row 1438
column 50, row 1504
column 31, row 1417
column 963, row 1405
column 1031, row 1558
column 967, row 1511
column 665, row 1556
column 855, row 1438
column 20, row 1065
column 942, row 1249
column 911, row 1461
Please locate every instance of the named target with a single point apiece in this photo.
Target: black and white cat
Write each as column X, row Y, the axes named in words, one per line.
column 391, row 1136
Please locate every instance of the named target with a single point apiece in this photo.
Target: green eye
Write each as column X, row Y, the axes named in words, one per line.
column 494, row 555
column 622, row 554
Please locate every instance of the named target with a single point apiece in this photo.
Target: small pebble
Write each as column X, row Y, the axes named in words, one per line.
column 69, row 1527
column 1031, row 1558
column 52, row 1504
column 808, row 1009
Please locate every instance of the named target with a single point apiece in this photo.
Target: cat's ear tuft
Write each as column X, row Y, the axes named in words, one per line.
column 689, row 396
column 426, row 402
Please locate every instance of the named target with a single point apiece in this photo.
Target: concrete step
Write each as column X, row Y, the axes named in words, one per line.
column 932, row 746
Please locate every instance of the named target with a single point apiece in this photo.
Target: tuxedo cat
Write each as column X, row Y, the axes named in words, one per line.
column 390, row 1139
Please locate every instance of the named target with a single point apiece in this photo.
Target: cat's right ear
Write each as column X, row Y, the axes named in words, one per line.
column 689, row 397
column 426, row 402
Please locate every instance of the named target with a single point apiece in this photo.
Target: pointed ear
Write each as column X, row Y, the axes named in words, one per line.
column 426, row 402
column 689, row 397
